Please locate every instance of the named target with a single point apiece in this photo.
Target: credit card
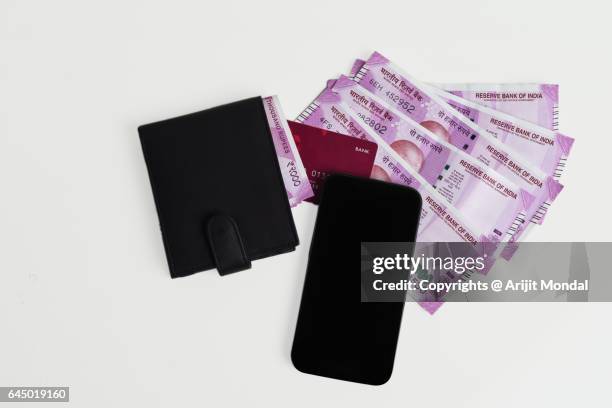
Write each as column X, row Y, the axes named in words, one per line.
column 324, row 152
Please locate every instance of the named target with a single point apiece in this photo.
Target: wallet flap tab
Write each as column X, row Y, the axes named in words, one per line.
column 226, row 245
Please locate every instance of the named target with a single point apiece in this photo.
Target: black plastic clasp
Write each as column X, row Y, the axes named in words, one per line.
column 226, row 245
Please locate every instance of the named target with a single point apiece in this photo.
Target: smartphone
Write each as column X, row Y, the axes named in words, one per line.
column 337, row 334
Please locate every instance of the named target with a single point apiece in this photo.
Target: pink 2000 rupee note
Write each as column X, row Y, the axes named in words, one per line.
column 547, row 149
column 442, row 222
column 385, row 80
column 294, row 174
column 489, row 200
column 535, row 103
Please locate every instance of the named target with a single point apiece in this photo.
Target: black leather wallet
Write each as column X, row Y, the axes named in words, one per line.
column 218, row 189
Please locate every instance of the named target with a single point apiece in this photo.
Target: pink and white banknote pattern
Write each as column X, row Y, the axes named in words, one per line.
column 294, row 174
column 489, row 200
column 440, row 221
column 382, row 78
column 535, row 103
column 545, row 148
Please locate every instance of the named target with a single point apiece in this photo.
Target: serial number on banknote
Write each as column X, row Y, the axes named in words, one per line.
column 401, row 102
column 397, row 99
column 373, row 123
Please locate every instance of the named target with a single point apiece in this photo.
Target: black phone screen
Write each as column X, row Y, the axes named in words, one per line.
column 337, row 335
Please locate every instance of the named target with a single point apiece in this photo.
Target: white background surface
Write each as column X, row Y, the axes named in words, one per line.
column 85, row 296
